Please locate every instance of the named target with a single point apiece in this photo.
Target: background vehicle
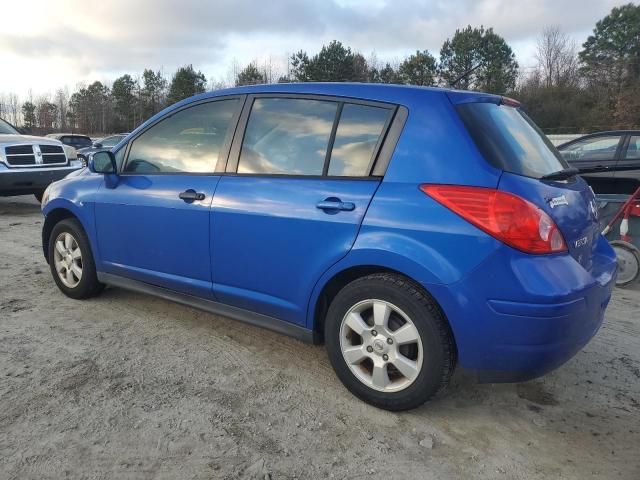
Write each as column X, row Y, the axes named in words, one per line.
column 105, row 143
column 72, row 139
column 411, row 229
column 29, row 164
column 616, row 149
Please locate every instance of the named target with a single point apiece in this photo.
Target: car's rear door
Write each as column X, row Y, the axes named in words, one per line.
column 292, row 199
column 628, row 177
column 153, row 224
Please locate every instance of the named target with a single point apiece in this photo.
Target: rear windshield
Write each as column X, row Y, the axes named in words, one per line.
column 5, row 128
column 509, row 140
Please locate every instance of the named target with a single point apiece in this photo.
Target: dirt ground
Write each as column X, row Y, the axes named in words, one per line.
column 128, row 386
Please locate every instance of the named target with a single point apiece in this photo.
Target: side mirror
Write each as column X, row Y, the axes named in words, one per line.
column 103, row 162
column 97, row 145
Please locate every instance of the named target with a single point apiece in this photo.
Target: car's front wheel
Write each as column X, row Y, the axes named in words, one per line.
column 388, row 342
column 71, row 260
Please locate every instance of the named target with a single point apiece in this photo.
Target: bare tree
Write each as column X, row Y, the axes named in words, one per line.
column 557, row 59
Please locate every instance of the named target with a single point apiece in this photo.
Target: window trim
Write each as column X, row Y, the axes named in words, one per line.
column 224, row 149
column 377, row 164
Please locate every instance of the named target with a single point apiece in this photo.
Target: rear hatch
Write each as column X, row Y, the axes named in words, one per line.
column 533, row 169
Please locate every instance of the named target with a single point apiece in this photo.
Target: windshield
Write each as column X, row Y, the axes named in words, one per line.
column 111, row 141
column 6, row 128
column 509, row 140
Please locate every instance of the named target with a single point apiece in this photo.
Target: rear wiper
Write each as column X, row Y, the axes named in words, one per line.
column 561, row 174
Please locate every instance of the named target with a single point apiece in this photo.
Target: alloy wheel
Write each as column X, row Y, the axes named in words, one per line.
column 381, row 345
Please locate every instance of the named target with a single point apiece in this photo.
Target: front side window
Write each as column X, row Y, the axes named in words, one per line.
column 189, row 141
column 287, row 136
column 633, row 150
column 596, row 148
column 358, row 133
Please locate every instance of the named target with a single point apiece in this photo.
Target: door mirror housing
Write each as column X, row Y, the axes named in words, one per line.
column 103, row 162
column 97, row 145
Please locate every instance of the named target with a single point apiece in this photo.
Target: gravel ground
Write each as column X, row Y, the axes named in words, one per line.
column 128, row 386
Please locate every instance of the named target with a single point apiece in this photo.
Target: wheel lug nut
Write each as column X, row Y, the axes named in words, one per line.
column 369, row 349
column 385, row 357
column 390, row 341
column 374, row 333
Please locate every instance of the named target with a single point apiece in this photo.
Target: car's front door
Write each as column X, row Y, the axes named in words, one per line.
column 290, row 205
column 600, row 151
column 153, row 224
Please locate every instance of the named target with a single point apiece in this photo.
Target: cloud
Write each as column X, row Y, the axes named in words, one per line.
column 105, row 38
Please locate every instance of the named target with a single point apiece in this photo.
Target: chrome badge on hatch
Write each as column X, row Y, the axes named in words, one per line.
column 556, row 201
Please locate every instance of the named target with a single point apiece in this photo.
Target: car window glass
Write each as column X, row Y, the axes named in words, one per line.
column 509, row 140
column 633, row 150
column 110, row 141
column 595, row 148
column 358, row 132
column 287, row 136
column 188, row 141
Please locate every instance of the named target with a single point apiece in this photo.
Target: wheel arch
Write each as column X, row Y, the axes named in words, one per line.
column 53, row 217
column 340, row 277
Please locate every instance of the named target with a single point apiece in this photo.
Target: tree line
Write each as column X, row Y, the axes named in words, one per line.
column 568, row 90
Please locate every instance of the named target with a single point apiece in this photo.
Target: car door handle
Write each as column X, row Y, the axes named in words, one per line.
column 336, row 204
column 191, row 195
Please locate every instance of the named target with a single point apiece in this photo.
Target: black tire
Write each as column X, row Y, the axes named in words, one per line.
column 439, row 352
column 39, row 195
column 88, row 286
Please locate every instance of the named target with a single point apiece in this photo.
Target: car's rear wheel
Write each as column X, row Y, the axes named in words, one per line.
column 389, row 342
column 71, row 260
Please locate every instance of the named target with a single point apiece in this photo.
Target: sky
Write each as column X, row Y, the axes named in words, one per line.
column 49, row 44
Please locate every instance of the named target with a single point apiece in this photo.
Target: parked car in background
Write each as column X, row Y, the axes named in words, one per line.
column 616, row 150
column 28, row 164
column 72, row 139
column 412, row 230
column 105, row 143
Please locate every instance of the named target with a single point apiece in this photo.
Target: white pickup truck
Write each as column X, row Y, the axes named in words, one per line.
column 29, row 164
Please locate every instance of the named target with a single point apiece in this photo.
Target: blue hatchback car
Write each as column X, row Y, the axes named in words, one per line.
column 412, row 230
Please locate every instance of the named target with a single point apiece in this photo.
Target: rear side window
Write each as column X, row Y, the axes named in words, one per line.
column 188, row 141
column 509, row 140
column 287, row 136
column 633, row 150
column 595, row 148
column 359, row 130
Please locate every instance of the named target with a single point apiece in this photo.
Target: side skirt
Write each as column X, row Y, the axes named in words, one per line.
column 247, row 316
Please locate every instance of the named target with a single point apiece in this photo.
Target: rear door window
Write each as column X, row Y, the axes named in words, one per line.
column 287, row 136
column 509, row 140
column 633, row 149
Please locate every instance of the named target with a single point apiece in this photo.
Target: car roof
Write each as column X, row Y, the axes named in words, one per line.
column 392, row 93
column 598, row 134
column 57, row 135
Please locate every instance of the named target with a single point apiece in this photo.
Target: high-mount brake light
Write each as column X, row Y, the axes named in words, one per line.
column 505, row 216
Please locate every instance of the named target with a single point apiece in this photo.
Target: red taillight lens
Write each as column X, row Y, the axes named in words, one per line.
column 505, row 216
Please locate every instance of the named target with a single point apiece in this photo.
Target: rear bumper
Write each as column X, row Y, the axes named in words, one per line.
column 519, row 316
column 17, row 181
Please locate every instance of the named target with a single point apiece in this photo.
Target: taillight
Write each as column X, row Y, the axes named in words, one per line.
column 503, row 215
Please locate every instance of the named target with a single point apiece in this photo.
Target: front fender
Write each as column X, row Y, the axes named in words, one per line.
column 76, row 196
